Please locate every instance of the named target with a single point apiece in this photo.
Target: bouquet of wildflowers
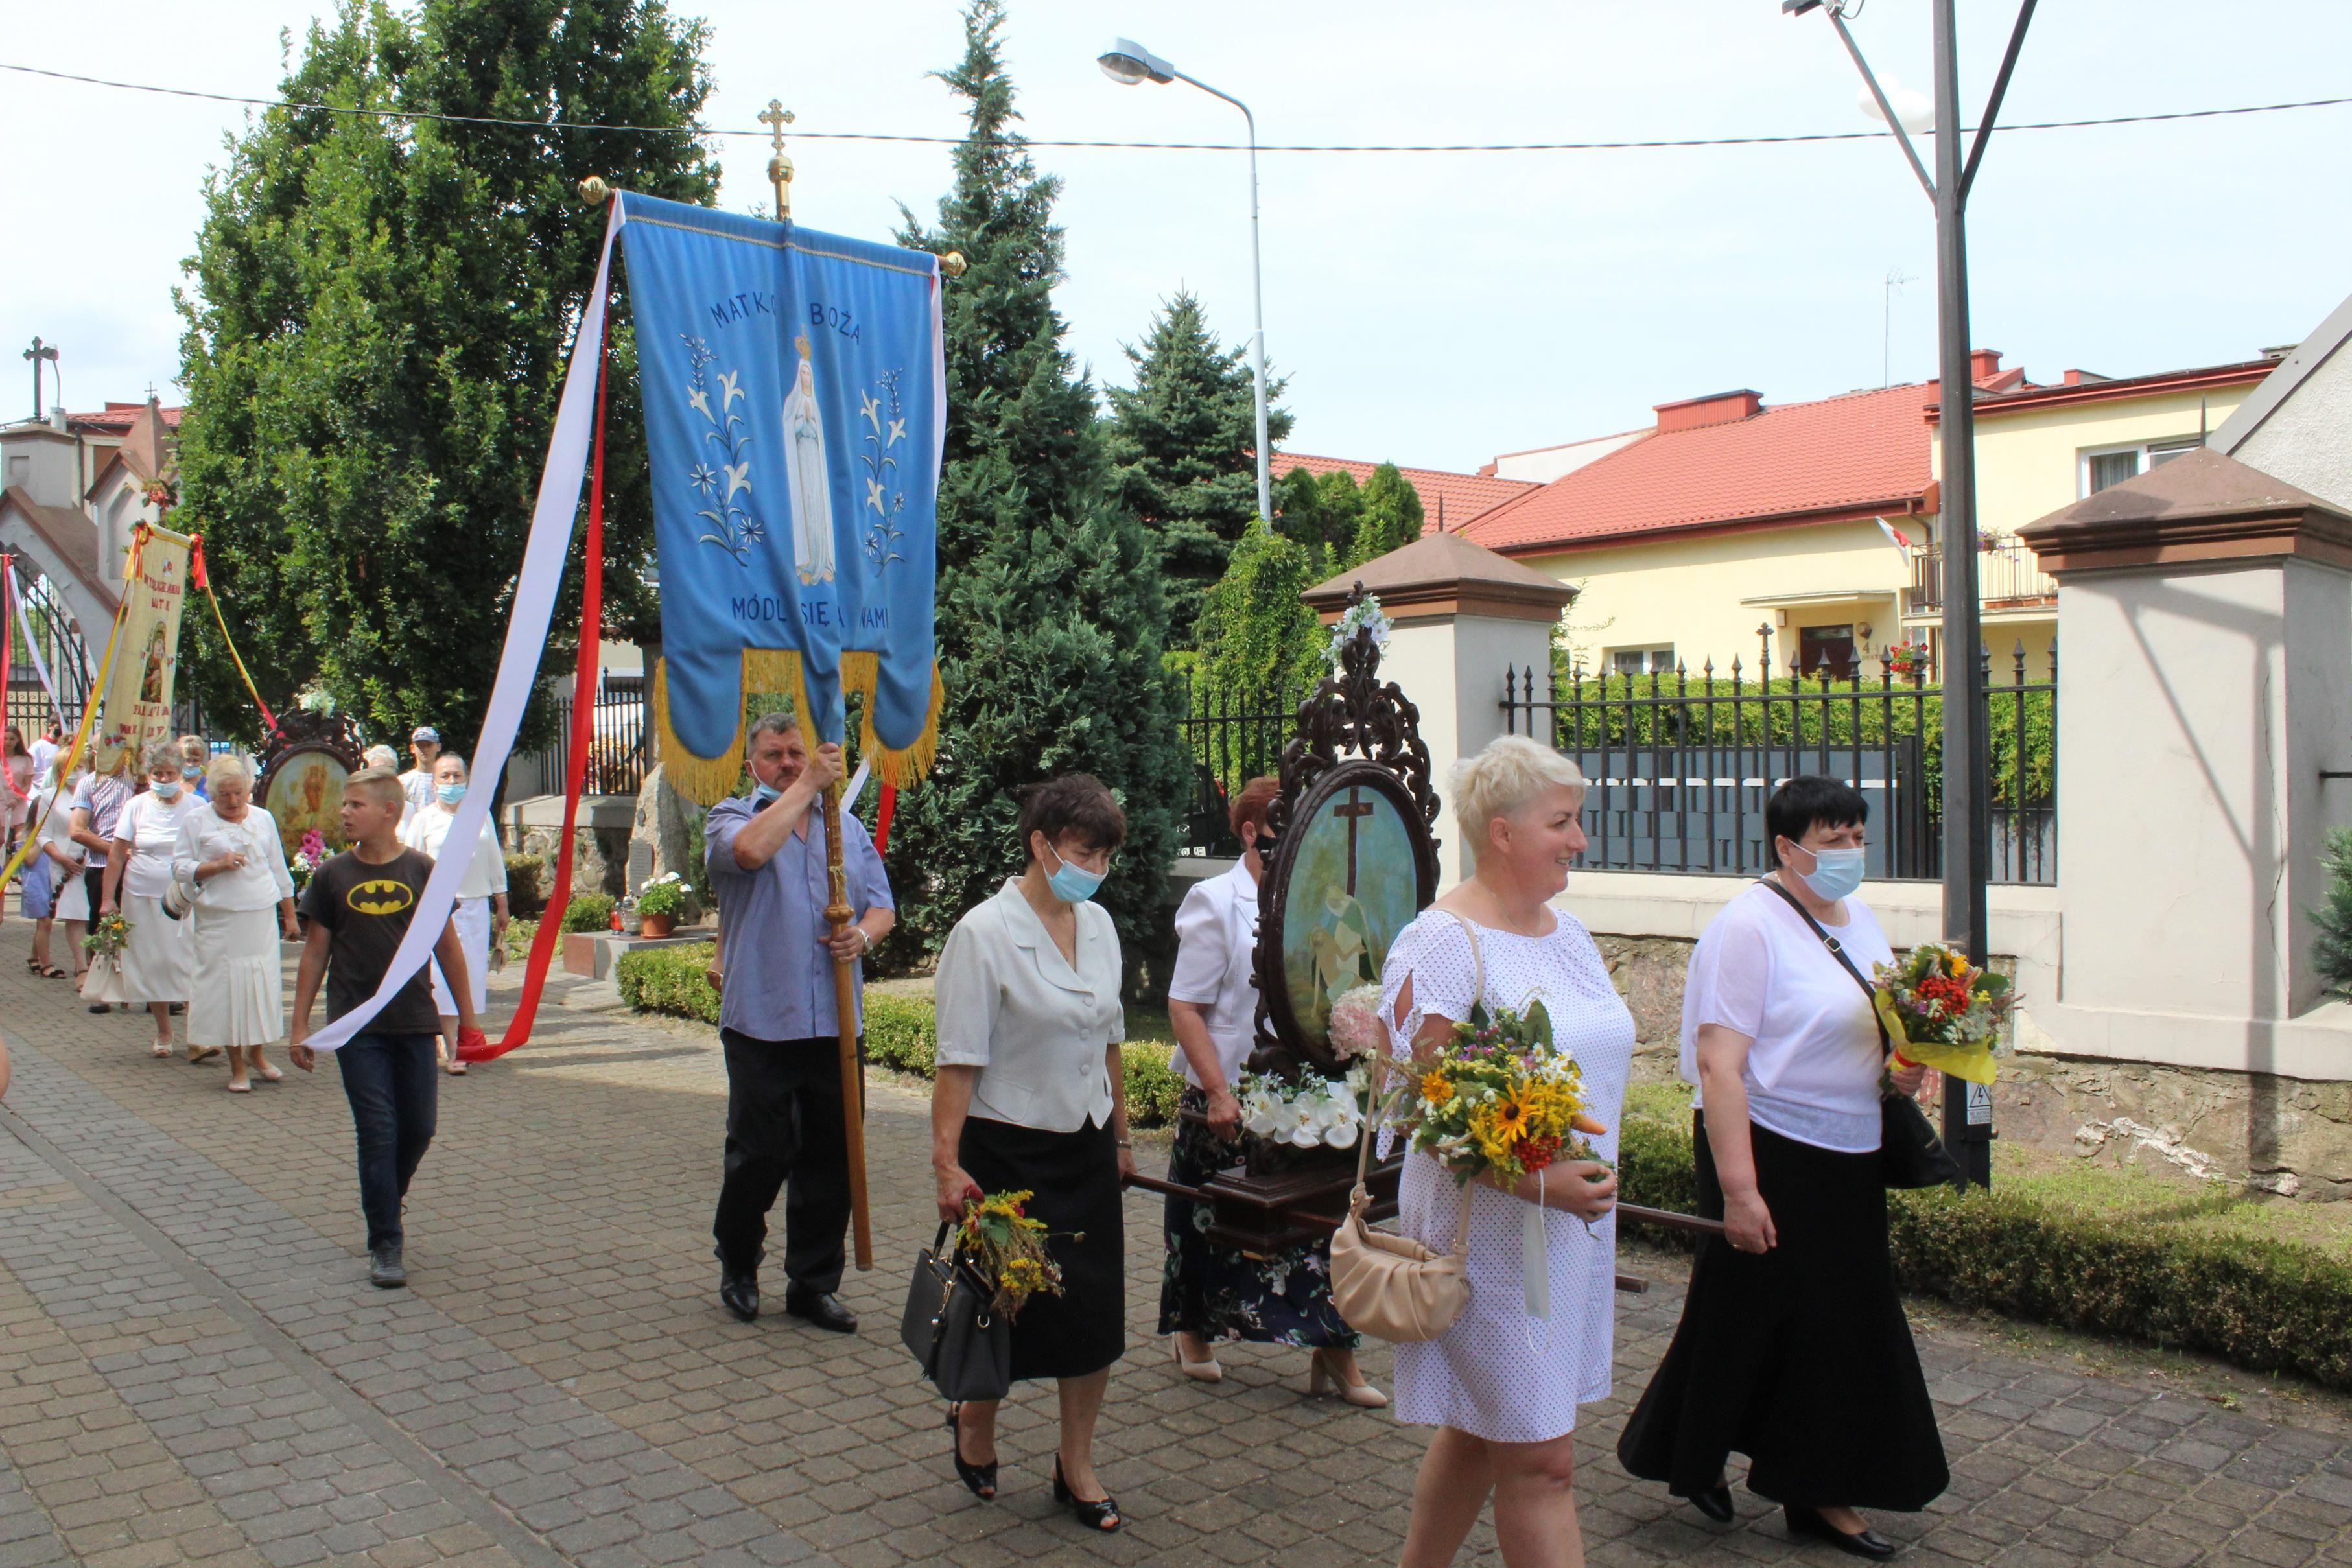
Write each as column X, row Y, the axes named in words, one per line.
column 1313, row 1112
column 109, row 934
column 1499, row 1099
column 1003, row 1244
column 307, row 858
column 1945, row 1013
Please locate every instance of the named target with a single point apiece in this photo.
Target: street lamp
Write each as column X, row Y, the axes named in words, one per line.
column 1967, row 826
column 1129, row 64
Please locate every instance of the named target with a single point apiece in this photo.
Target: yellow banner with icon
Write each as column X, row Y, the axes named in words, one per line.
column 137, row 699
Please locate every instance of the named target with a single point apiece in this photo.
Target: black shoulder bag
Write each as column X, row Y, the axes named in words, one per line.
column 966, row 1348
column 1910, row 1154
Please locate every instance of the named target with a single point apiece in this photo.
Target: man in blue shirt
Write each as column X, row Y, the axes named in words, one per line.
column 777, row 1022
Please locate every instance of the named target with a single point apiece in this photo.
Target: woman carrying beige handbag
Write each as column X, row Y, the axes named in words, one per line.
column 1499, row 1359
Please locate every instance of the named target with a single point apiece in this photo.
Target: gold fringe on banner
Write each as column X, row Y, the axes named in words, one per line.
column 706, row 781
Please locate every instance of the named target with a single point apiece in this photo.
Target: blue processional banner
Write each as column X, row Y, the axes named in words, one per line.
column 794, row 398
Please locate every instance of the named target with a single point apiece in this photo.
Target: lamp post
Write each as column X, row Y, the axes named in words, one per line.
column 1128, row 63
column 1967, row 826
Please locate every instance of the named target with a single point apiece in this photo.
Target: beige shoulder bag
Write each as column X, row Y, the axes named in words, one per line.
column 1391, row 1287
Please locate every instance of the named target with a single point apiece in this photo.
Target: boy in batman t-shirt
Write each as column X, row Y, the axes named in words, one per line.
column 358, row 907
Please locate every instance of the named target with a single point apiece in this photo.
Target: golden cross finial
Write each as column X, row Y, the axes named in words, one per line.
column 775, row 117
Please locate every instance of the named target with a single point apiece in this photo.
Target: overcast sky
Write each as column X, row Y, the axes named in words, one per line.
column 1429, row 309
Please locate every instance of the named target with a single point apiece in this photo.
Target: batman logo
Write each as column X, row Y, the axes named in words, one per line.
column 379, row 895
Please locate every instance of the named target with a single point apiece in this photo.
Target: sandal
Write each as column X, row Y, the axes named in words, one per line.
column 979, row 1480
column 51, row 973
column 163, row 1048
column 1100, row 1514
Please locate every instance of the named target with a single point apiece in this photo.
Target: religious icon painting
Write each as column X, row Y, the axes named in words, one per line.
column 1351, row 871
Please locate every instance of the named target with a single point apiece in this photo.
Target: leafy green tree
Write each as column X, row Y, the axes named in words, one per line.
column 1390, row 517
column 375, row 324
column 1051, row 612
column 1262, row 648
column 1182, row 447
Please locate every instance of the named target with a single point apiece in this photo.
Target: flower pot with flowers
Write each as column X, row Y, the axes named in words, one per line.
column 659, row 902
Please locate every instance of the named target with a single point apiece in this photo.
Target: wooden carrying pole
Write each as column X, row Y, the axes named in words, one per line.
column 845, row 1003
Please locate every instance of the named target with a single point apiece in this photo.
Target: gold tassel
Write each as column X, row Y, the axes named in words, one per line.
column 707, row 780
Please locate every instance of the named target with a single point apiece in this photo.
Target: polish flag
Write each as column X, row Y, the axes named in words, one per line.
column 1894, row 536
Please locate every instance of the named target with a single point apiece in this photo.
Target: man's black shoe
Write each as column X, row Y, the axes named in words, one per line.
column 739, row 1294
column 385, row 1271
column 824, row 1309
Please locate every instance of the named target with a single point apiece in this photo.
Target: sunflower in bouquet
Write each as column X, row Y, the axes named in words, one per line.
column 109, row 934
column 1498, row 1099
column 1947, row 1013
column 1005, row 1244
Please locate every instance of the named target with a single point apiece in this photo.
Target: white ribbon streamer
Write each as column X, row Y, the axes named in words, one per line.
column 534, row 606
column 32, row 647
column 857, row 786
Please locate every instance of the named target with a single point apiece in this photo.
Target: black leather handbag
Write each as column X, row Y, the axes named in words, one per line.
column 965, row 1348
column 1910, row 1154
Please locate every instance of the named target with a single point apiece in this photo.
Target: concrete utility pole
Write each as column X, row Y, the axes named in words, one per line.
column 1967, row 819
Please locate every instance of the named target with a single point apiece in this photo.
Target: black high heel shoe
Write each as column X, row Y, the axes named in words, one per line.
column 1806, row 1524
column 1101, row 1515
column 1715, row 1502
column 979, row 1480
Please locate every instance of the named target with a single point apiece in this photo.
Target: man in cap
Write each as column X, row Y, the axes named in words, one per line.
column 424, row 744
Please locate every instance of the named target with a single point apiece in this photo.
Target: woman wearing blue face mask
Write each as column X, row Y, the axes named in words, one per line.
column 481, row 911
column 159, row 960
column 1793, row 1348
column 1031, row 1097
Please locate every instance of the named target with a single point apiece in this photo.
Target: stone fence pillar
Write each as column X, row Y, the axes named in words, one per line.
column 1463, row 616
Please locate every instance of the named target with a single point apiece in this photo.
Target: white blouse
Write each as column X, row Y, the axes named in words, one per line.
column 1036, row 1027
column 261, row 881
column 151, row 829
column 1759, row 970
column 1216, row 948
column 428, row 832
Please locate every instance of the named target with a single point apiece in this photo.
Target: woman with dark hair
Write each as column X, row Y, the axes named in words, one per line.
column 1210, row 1292
column 1030, row 1097
column 1792, row 1348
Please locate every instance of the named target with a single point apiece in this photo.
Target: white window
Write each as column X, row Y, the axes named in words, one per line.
column 2103, row 466
column 1642, row 661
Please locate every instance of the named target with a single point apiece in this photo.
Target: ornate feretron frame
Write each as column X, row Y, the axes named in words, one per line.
column 1354, row 729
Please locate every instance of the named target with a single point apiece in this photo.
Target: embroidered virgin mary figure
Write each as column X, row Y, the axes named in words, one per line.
column 804, row 467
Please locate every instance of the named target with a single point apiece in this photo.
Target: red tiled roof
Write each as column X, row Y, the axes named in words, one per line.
column 117, row 417
column 1862, row 450
column 1463, row 495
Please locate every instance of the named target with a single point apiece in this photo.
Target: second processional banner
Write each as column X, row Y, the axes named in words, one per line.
column 137, row 701
column 794, row 400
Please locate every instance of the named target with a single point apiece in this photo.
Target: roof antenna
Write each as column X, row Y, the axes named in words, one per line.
column 2200, row 421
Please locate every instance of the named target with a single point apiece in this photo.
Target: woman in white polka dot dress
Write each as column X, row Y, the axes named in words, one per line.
column 1502, row 1386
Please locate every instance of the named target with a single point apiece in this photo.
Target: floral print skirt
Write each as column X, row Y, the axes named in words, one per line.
column 1218, row 1294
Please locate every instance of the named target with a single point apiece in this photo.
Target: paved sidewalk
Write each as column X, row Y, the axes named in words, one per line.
column 193, row 1370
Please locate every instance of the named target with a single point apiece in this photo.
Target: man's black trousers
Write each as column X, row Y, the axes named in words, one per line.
column 784, row 1133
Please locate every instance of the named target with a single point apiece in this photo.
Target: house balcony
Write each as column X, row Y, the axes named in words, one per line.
column 2010, row 584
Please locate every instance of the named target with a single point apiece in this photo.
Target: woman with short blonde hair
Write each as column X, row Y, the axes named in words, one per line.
column 230, row 852
column 1501, row 1387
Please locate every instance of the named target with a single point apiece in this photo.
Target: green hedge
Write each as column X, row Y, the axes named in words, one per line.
column 900, row 1030
column 2268, row 1306
column 589, row 912
column 526, row 886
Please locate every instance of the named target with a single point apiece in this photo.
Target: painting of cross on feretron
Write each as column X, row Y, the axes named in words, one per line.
column 1350, row 886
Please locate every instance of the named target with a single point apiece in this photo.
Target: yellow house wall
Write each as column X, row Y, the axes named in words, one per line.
column 2028, row 463
column 1688, row 592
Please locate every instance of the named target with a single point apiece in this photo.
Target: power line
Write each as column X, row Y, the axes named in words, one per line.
column 414, row 115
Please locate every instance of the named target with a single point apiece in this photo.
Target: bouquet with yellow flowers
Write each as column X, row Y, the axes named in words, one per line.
column 1498, row 1099
column 1944, row 1012
column 1006, row 1247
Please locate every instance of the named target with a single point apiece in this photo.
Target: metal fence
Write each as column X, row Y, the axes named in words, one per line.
column 1232, row 741
column 1679, row 765
column 616, row 746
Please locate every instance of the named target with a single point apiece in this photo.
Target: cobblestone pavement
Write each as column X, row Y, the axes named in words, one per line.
column 193, row 1370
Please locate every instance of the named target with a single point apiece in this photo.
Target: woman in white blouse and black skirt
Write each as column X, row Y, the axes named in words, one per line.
column 1793, row 1348
column 1031, row 1096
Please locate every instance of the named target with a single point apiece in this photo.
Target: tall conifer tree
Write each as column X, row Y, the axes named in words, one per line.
column 375, row 331
column 1051, row 611
column 1183, row 446
column 1390, row 517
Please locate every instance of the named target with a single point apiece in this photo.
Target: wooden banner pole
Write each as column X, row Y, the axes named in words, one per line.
column 844, row 1001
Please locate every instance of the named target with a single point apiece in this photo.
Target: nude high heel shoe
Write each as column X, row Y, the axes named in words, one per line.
column 1361, row 1395
column 1207, row 1371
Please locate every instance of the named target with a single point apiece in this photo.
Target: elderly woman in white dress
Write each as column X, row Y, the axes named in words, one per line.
column 158, row 960
column 230, row 852
column 1501, row 1385
column 481, row 897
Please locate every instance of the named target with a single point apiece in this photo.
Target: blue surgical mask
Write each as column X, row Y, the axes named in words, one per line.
column 165, row 792
column 1836, row 873
column 763, row 797
column 450, row 793
column 1072, row 883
